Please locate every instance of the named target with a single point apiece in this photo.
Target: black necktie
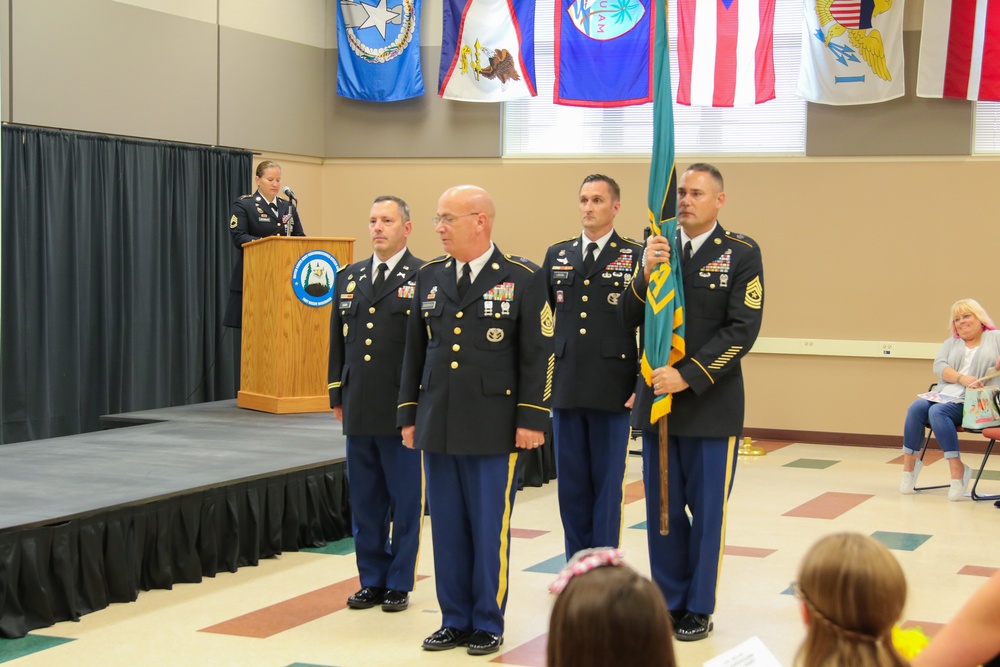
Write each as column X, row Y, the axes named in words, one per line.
column 380, row 277
column 589, row 257
column 276, row 209
column 465, row 281
column 687, row 251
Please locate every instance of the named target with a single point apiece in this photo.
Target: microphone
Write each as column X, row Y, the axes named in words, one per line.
column 287, row 191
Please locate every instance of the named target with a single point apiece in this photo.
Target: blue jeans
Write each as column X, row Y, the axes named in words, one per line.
column 944, row 419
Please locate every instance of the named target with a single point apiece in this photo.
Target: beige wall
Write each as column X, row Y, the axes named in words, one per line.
column 874, row 249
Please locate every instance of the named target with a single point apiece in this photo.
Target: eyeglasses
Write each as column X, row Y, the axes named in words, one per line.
column 450, row 219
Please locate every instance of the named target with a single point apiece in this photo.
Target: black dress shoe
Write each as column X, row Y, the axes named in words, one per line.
column 445, row 638
column 676, row 615
column 481, row 642
column 366, row 598
column 693, row 627
column 395, row 600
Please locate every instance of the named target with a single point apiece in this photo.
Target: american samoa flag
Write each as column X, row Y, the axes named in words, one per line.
column 487, row 50
column 725, row 52
column 603, row 53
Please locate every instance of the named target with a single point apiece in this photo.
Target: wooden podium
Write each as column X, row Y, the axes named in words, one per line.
column 285, row 340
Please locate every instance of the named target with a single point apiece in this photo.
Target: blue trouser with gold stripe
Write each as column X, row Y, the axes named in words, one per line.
column 591, row 456
column 685, row 563
column 386, row 485
column 471, row 499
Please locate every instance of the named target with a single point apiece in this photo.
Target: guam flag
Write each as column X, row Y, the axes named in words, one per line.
column 378, row 42
column 488, row 50
column 664, row 322
column 603, row 53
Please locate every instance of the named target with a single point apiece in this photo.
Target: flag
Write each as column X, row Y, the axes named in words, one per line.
column 603, row 53
column 960, row 50
column 488, row 50
column 725, row 52
column 852, row 51
column 378, row 46
column 664, row 321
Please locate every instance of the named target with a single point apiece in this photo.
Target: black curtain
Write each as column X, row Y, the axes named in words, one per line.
column 116, row 261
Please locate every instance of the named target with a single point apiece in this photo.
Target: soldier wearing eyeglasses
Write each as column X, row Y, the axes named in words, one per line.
column 476, row 389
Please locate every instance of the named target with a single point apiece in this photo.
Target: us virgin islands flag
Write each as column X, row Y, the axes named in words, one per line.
column 487, row 50
column 603, row 53
column 852, row 51
column 378, row 44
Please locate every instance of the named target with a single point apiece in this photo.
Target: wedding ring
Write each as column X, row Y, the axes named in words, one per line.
column 656, row 253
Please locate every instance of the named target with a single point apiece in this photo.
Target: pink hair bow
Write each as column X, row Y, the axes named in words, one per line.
column 584, row 561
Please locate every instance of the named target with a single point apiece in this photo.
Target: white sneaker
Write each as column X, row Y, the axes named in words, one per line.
column 910, row 479
column 957, row 489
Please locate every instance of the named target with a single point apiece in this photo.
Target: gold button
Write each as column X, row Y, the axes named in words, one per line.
column 459, row 315
column 370, row 325
column 623, row 356
column 454, row 364
column 368, row 342
column 456, row 347
column 508, row 392
column 497, row 316
column 583, row 315
column 458, row 330
column 371, row 310
column 368, row 357
column 407, row 311
column 712, row 286
column 585, row 298
column 583, row 332
column 586, row 282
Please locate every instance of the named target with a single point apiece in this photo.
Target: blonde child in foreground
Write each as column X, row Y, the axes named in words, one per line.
column 607, row 614
column 852, row 592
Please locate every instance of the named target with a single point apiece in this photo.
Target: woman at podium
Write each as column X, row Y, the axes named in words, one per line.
column 253, row 217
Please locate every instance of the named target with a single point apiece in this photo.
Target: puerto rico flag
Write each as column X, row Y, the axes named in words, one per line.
column 603, row 53
column 852, row 51
column 960, row 50
column 378, row 50
column 725, row 52
column 488, row 50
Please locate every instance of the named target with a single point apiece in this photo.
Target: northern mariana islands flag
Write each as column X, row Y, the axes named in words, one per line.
column 378, row 43
column 487, row 50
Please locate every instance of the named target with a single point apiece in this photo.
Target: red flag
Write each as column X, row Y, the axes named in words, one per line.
column 960, row 50
column 725, row 52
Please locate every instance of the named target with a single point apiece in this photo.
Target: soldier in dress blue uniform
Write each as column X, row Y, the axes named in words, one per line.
column 255, row 216
column 367, row 332
column 596, row 364
column 724, row 296
column 476, row 388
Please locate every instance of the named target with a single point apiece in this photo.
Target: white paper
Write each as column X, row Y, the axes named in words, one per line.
column 751, row 653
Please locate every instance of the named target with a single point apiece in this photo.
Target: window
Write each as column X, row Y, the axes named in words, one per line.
column 537, row 127
column 986, row 130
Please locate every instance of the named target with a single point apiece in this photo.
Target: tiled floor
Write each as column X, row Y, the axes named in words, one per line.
column 291, row 610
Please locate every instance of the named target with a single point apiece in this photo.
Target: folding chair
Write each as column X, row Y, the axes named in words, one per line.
column 993, row 434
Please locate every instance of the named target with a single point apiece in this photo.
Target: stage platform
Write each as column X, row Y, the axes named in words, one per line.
column 179, row 494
